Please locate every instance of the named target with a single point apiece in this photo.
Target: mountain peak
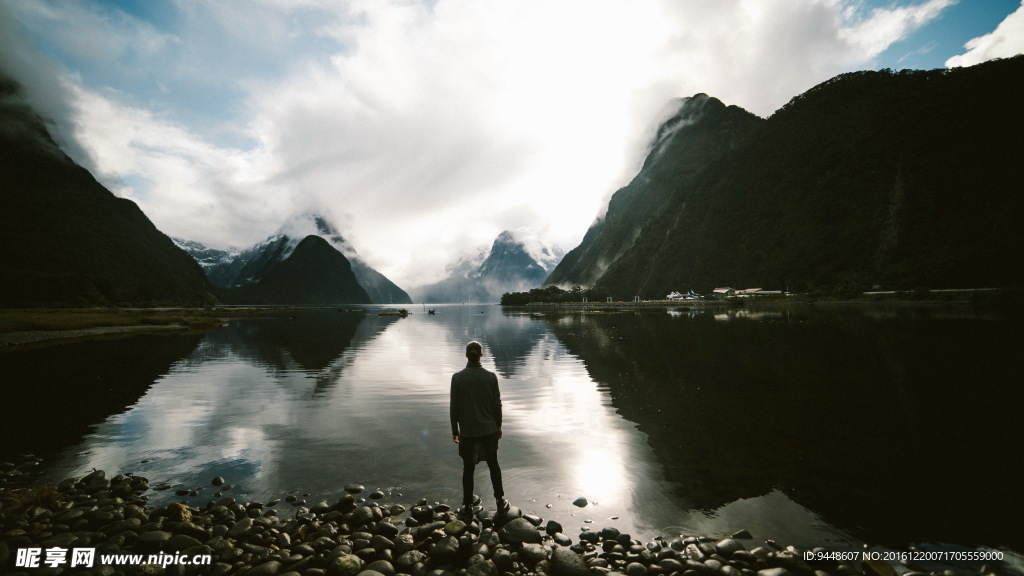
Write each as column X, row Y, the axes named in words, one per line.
column 518, row 260
column 312, row 223
column 506, row 237
column 530, row 243
column 236, row 269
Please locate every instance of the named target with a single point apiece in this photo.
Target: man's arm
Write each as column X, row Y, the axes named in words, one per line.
column 454, row 405
column 496, row 405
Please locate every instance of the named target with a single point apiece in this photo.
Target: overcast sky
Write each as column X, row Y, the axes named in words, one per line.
column 423, row 129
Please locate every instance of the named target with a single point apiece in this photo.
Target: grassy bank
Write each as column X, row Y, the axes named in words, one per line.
column 54, row 319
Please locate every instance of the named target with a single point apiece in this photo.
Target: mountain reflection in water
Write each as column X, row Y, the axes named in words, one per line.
column 803, row 424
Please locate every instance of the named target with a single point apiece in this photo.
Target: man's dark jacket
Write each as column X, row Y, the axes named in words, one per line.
column 475, row 402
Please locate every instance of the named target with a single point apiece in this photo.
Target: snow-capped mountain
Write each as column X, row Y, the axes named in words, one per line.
column 515, row 262
column 237, row 269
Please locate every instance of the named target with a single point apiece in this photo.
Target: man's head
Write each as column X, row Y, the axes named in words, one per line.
column 474, row 351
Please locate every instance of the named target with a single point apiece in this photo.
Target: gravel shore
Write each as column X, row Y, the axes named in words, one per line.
column 365, row 536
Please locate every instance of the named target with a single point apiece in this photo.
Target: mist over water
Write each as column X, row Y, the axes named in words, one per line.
column 808, row 425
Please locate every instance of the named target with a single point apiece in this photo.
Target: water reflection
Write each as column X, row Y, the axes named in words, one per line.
column 852, row 414
column 55, row 394
column 798, row 424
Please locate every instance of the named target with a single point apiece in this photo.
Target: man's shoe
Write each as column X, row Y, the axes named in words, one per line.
column 466, row 512
column 503, row 506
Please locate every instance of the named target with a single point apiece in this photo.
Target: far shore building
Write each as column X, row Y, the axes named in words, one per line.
column 746, row 292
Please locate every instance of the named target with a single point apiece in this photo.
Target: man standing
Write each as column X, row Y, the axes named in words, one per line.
column 476, row 425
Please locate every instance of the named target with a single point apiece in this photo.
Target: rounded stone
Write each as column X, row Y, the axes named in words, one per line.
column 636, row 569
column 580, row 502
column 778, row 571
column 520, row 531
column 345, row 565
column 381, row 567
column 670, row 565
column 446, row 549
column 406, row 561
column 502, row 559
column 728, row 546
column 422, row 513
column 354, row 488
column 565, row 562
column 153, row 540
column 386, row 529
column 362, row 515
column 269, row 568
column 531, row 554
column 181, row 542
column 729, row 570
column 404, row 543
column 485, row 568
column 455, row 528
column 240, row 528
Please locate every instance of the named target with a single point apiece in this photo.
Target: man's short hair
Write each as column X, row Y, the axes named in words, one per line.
column 474, row 350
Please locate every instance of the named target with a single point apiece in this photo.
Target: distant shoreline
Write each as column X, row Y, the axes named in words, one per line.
column 44, row 326
column 731, row 303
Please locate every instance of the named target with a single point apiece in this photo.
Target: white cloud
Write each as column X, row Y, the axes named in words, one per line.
column 427, row 128
column 883, row 26
column 1005, row 41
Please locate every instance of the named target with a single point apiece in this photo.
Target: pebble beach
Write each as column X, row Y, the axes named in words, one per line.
column 361, row 534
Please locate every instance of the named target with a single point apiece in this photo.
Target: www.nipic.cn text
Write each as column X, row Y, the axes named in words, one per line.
column 86, row 558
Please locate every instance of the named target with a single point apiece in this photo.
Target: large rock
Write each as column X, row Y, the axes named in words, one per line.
column 531, row 554
column 152, row 541
column 240, row 529
column 406, row 561
column 502, row 559
column 728, row 546
column 381, row 566
column 180, row 542
column 362, row 515
column 520, row 531
column 445, row 550
column 455, row 528
column 565, row 562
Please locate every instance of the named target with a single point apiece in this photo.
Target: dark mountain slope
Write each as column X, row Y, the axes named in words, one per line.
column 67, row 240
column 701, row 131
column 872, row 178
column 315, row 274
column 233, row 270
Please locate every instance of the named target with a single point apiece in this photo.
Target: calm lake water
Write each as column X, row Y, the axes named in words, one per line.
column 809, row 424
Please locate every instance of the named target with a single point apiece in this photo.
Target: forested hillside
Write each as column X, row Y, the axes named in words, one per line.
column 893, row 179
